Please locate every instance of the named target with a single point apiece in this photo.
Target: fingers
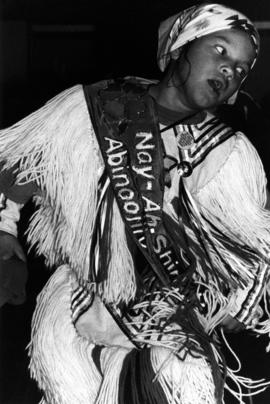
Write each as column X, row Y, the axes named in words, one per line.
column 233, row 329
column 231, row 325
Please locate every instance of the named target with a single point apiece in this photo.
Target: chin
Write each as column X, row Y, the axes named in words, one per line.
column 202, row 102
column 204, row 105
column 212, row 104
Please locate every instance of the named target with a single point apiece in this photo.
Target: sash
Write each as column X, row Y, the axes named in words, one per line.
column 127, row 129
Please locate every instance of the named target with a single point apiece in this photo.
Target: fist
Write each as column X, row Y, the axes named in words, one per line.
column 230, row 324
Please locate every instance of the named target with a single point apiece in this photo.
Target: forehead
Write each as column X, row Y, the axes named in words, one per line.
column 237, row 40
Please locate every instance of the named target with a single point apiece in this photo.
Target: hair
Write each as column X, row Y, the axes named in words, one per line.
column 183, row 55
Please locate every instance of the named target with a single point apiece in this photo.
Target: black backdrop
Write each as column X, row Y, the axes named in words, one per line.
column 49, row 45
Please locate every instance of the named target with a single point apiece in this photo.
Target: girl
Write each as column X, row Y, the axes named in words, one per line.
column 154, row 210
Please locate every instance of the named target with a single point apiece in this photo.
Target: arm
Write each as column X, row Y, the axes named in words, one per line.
column 246, row 302
column 56, row 148
column 234, row 200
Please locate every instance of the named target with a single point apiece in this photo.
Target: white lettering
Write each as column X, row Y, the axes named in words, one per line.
column 144, row 157
column 131, row 207
column 121, row 183
column 131, row 219
column 152, row 220
column 117, row 158
column 143, row 171
column 141, row 241
column 114, row 145
column 150, row 206
column 161, row 243
column 168, row 255
column 125, row 194
column 145, row 138
column 116, row 169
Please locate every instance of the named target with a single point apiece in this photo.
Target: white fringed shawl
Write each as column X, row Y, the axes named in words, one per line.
column 235, row 197
column 56, row 147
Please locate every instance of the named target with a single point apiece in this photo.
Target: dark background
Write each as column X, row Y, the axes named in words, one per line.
column 49, row 45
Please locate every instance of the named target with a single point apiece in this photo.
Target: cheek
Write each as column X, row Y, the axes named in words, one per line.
column 184, row 70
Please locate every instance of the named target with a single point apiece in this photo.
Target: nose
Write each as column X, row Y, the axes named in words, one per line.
column 227, row 71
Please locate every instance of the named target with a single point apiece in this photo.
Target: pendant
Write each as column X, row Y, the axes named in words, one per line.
column 184, row 138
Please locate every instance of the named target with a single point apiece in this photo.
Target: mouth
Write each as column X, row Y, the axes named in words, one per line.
column 217, row 85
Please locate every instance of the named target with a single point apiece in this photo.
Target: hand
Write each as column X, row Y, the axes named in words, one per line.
column 230, row 324
column 10, row 246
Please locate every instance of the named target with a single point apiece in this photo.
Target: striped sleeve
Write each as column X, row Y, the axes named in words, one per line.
column 234, row 202
column 246, row 302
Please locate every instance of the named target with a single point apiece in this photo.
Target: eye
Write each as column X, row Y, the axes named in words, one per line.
column 220, row 49
column 241, row 72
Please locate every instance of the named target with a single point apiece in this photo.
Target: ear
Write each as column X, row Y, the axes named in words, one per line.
column 176, row 54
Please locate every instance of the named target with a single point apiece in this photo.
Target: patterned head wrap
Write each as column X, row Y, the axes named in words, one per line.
column 196, row 22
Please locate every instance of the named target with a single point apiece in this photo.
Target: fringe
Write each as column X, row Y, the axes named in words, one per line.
column 263, row 326
column 216, row 311
column 186, row 382
column 190, row 380
column 111, row 365
column 235, row 204
column 56, row 147
column 244, row 387
column 61, row 361
column 151, row 317
column 216, row 306
column 168, row 321
column 223, row 259
column 171, row 339
column 120, row 285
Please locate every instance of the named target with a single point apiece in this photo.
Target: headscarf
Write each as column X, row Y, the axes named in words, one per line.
column 198, row 21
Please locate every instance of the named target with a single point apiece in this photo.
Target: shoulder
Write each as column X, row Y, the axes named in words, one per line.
column 231, row 157
column 218, row 142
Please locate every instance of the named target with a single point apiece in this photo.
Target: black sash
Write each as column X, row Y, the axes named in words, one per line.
column 126, row 125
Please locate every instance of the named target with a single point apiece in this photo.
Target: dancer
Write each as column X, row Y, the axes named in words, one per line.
column 152, row 212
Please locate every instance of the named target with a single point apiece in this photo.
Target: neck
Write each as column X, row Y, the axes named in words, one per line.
column 166, row 96
column 170, row 109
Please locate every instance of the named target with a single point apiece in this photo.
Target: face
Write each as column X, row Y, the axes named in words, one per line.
column 212, row 69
